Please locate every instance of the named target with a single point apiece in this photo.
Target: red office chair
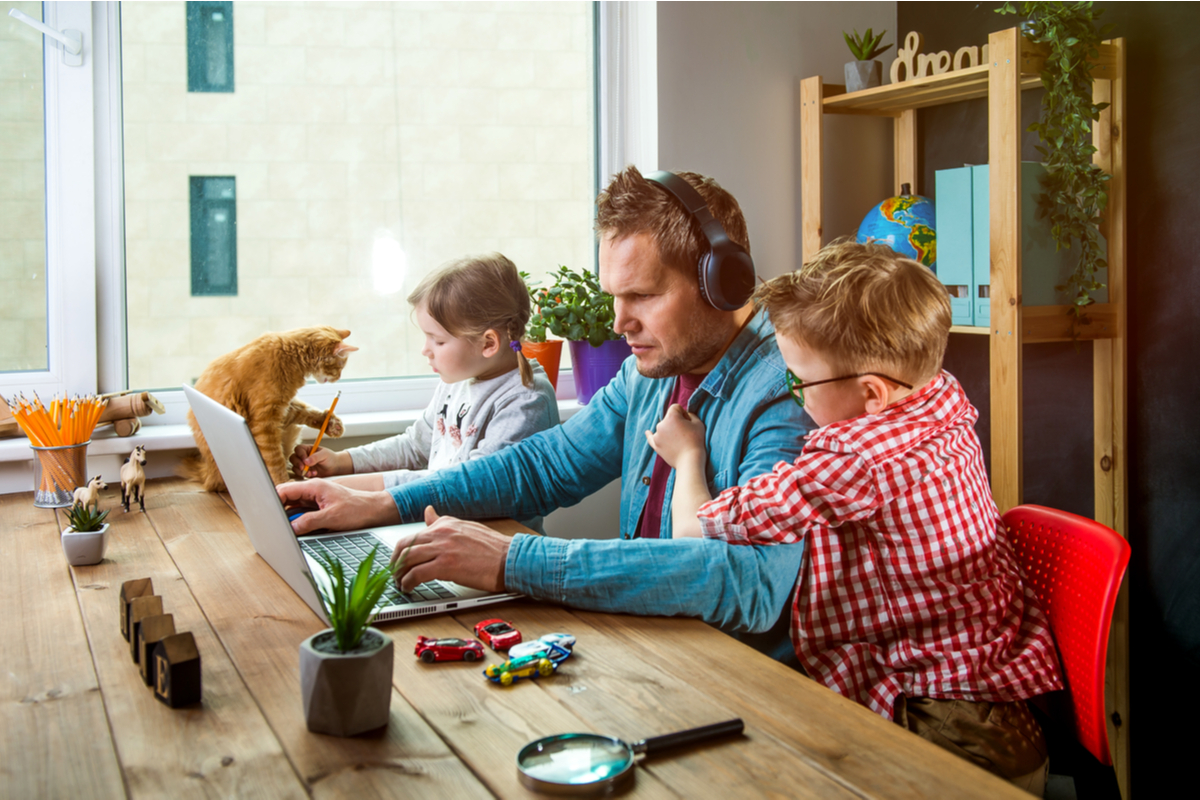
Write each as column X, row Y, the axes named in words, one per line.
column 1074, row 566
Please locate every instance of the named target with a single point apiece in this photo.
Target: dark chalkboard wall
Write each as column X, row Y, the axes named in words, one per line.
column 1163, row 143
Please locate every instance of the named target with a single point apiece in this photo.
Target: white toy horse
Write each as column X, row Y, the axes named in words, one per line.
column 133, row 478
column 90, row 495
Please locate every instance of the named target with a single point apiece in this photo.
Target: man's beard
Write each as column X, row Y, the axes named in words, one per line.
column 706, row 341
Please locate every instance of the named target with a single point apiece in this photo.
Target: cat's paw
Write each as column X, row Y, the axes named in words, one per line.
column 334, row 428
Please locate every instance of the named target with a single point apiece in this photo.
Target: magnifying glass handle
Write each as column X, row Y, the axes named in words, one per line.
column 717, row 729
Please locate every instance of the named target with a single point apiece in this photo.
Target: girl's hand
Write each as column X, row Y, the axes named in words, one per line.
column 321, row 463
column 679, row 437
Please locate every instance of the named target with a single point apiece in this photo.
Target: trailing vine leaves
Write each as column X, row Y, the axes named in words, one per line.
column 1075, row 188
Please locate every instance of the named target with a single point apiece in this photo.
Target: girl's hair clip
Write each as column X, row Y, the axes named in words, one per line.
column 515, row 345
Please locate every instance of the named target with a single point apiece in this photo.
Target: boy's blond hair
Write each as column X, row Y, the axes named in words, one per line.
column 863, row 307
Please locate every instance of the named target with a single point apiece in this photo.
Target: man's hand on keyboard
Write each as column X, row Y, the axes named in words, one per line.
column 452, row 549
column 335, row 507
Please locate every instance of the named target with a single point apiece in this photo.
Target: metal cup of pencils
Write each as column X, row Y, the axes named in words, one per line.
column 59, row 437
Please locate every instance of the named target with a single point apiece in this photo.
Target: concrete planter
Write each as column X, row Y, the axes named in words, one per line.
column 86, row 548
column 863, row 75
column 346, row 693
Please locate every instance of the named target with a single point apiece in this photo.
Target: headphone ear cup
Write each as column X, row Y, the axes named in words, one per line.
column 726, row 277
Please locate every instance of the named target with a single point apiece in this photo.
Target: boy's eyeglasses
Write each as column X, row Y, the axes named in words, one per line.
column 797, row 386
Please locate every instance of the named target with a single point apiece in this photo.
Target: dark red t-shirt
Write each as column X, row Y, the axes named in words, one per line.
column 651, row 527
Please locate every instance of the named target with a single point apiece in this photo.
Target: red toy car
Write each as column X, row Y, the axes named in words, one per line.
column 498, row 633
column 430, row 649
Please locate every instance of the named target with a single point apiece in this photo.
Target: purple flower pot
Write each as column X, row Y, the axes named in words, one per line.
column 596, row 366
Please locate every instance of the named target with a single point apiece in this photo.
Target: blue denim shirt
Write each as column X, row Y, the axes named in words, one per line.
column 751, row 423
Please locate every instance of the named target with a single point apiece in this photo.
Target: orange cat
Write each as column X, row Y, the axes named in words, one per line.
column 260, row 381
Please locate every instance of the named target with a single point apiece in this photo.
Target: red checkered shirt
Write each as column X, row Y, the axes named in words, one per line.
column 910, row 586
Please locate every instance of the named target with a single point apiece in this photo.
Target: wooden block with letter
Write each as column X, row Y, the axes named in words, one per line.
column 139, row 609
column 139, row 587
column 152, row 631
column 177, row 670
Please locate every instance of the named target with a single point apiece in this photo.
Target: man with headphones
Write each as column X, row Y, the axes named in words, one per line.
column 674, row 253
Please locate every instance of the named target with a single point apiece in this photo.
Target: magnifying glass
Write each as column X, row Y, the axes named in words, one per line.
column 588, row 763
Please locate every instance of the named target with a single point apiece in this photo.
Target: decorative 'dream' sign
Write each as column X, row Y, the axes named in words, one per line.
column 919, row 65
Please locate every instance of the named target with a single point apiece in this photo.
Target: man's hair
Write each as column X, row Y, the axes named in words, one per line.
column 632, row 205
column 863, row 307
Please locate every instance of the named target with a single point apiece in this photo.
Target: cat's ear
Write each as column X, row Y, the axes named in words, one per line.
column 344, row 349
column 342, row 334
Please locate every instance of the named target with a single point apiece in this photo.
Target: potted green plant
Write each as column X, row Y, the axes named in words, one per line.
column 1075, row 188
column 864, row 72
column 346, row 669
column 535, row 344
column 86, row 537
column 575, row 308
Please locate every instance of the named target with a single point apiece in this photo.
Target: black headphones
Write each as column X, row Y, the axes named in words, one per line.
column 726, row 270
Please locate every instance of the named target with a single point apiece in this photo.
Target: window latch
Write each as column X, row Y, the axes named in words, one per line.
column 70, row 39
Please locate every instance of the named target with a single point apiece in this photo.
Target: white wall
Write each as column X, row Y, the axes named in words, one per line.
column 728, row 94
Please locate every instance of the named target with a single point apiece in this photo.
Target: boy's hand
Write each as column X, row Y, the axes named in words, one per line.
column 679, row 437
column 321, row 463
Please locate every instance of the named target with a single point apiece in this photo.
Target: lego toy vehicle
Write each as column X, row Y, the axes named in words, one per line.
column 430, row 649
column 497, row 633
column 530, row 666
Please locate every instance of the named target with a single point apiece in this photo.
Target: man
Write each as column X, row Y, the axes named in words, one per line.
column 723, row 366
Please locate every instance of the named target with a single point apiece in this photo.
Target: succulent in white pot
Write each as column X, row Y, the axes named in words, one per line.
column 864, row 72
column 346, row 669
column 86, row 538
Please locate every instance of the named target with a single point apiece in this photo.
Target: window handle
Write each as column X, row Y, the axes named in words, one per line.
column 71, row 40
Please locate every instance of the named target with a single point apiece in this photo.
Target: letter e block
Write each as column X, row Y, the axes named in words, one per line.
column 152, row 631
column 139, row 587
column 177, row 670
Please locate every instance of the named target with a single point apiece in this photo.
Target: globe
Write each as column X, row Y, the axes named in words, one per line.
column 905, row 224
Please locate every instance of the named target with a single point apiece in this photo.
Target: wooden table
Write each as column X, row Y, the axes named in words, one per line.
column 78, row 722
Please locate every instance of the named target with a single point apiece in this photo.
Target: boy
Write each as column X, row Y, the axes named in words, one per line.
column 910, row 600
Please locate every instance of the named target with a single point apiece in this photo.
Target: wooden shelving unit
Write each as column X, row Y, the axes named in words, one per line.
column 1013, row 64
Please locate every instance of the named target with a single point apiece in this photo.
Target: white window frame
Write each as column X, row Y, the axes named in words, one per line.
column 85, row 205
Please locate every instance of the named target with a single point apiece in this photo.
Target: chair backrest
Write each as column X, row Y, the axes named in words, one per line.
column 1074, row 565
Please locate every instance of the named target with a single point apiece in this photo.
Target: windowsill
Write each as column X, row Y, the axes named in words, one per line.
column 16, row 453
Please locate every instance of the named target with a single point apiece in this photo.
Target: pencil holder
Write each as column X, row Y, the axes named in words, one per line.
column 57, row 471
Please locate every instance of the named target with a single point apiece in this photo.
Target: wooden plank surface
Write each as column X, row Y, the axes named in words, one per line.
column 224, row 747
column 811, row 137
column 905, row 158
column 55, row 736
column 1054, row 324
column 261, row 623
column 1004, row 158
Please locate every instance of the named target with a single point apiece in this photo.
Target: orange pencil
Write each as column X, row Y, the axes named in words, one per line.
column 325, row 424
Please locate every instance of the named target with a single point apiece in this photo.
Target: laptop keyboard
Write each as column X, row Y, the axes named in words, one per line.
column 353, row 548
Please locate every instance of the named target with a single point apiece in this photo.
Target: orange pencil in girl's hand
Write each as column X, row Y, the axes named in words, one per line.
column 321, row 433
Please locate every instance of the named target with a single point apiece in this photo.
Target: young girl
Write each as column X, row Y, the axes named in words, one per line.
column 472, row 312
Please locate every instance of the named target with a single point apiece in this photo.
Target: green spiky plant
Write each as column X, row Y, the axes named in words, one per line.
column 1075, row 188
column 865, row 47
column 350, row 604
column 84, row 519
column 574, row 307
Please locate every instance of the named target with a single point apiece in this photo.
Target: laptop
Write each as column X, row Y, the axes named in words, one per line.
column 271, row 533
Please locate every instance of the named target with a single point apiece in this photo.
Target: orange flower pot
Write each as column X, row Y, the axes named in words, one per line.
column 548, row 354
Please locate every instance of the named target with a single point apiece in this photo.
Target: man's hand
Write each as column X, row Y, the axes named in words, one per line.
column 321, row 463
column 679, row 437
column 454, row 550
column 335, row 507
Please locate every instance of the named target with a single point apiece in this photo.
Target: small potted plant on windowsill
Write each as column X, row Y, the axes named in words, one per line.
column 864, row 72
column 86, row 538
column 346, row 669
column 575, row 308
column 535, row 344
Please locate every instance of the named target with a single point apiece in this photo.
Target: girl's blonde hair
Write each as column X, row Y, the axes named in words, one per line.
column 863, row 307
column 475, row 294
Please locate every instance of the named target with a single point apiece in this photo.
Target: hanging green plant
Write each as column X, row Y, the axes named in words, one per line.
column 1075, row 188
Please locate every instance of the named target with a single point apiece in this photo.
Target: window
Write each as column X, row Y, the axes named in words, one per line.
column 369, row 143
column 210, row 47
column 214, row 236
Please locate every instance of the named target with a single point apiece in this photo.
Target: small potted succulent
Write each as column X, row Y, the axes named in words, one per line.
column 85, row 539
column 575, row 308
column 535, row 345
column 864, row 72
column 346, row 669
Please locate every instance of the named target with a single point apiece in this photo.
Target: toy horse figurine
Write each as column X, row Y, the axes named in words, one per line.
column 133, row 478
column 90, row 495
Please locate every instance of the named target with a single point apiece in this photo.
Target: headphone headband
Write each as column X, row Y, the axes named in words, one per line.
column 726, row 271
